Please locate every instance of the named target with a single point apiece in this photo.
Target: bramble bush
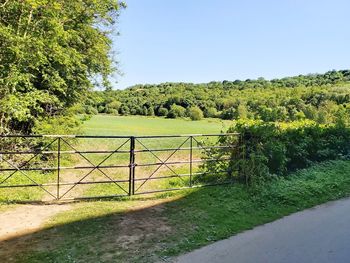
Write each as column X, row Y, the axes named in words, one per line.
column 270, row 149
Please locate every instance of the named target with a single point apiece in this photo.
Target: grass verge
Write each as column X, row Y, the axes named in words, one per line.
column 146, row 230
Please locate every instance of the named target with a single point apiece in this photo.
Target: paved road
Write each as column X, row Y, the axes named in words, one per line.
column 320, row 234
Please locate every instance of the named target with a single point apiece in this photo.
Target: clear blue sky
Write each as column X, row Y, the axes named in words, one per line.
column 204, row 40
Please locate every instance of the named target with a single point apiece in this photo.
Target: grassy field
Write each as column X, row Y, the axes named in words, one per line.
column 116, row 125
column 153, row 229
column 140, row 125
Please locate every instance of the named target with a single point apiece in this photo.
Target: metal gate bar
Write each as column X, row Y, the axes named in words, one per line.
column 132, row 188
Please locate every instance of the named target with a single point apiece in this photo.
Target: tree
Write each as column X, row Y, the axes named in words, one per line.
column 176, row 111
column 210, row 112
column 229, row 114
column 162, row 112
column 195, row 113
column 150, row 111
column 275, row 100
column 114, row 104
column 242, row 111
column 49, row 52
column 144, row 111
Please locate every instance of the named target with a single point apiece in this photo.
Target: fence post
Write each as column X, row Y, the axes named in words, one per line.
column 191, row 156
column 241, row 157
column 132, row 166
column 58, row 167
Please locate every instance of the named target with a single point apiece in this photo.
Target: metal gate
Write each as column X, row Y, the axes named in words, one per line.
column 63, row 167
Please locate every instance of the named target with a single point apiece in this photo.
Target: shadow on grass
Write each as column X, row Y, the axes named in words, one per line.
column 140, row 230
column 114, row 230
column 151, row 229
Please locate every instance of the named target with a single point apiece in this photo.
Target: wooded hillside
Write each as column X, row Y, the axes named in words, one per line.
column 319, row 97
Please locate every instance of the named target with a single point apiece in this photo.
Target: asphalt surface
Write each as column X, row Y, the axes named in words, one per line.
column 320, row 234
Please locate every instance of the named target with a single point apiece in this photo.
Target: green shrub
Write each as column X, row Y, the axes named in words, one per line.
column 275, row 149
column 114, row 105
column 150, row 111
column 91, row 110
column 100, row 108
column 124, row 110
column 210, row 112
column 229, row 114
column 78, row 109
column 111, row 111
column 58, row 125
column 162, row 112
column 176, row 111
column 195, row 113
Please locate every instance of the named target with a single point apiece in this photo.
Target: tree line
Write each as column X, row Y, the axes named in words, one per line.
column 318, row 97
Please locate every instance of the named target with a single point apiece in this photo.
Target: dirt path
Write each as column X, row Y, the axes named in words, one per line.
column 133, row 229
column 25, row 219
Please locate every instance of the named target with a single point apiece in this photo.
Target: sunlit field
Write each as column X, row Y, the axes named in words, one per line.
column 140, row 125
column 137, row 126
column 147, row 152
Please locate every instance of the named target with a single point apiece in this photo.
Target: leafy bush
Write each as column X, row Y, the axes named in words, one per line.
column 114, row 105
column 162, row 112
column 229, row 114
column 210, row 112
column 100, row 108
column 111, row 111
column 275, row 149
column 150, row 111
column 195, row 113
column 176, row 111
column 91, row 110
column 58, row 125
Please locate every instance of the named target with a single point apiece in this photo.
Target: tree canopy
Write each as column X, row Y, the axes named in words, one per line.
column 51, row 53
column 319, row 97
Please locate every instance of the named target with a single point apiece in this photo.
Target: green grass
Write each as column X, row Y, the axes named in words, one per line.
column 109, row 231
column 115, row 125
column 140, row 125
column 9, row 195
column 19, row 177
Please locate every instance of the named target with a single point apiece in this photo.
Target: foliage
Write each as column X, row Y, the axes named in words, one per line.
column 195, row 113
column 66, row 124
column 210, row 112
column 176, row 111
column 49, row 53
column 274, row 149
column 162, row 112
column 318, row 97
